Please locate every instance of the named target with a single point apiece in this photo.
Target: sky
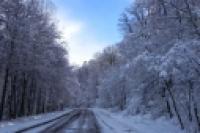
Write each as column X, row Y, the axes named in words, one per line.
column 88, row 26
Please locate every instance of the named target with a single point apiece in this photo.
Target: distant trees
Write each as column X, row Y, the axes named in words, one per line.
column 34, row 67
column 89, row 75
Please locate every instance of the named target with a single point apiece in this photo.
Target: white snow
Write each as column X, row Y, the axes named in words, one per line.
column 119, row 123
column 20, row 123
column 108, row 122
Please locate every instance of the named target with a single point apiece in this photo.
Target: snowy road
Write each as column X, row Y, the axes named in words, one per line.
column 82, row 122
column 76, row 121
column 95, row 121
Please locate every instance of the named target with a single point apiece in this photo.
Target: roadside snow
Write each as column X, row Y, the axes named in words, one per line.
column 118, row 123
column 108, row 122
column 20, row 123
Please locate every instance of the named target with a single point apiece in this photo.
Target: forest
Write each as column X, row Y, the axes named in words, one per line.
column 154, row 69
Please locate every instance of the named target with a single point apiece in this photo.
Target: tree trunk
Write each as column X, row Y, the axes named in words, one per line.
column 4, row 91
column 190, row 103
column 23, row 105
column 12, row 98
column 195, row 107
column 168, row 87
column 39, row 101
column 168, row 108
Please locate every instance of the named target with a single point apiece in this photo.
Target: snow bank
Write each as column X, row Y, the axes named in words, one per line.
column 119, row 123
column 20, row 123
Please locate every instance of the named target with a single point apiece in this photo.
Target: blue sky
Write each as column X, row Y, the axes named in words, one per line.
column 89, row 25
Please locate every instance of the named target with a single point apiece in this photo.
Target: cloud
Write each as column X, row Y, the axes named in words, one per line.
column 68, row 27
column 82, row 44
column 83, row 50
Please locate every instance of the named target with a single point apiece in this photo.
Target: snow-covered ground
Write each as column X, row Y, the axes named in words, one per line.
column 119, row 123
column 108, row 123
column 14, row 125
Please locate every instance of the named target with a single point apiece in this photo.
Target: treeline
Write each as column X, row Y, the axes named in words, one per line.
column 34, row 68
column 156, row 67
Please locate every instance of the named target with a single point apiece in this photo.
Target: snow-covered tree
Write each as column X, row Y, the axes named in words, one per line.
column 34, row 68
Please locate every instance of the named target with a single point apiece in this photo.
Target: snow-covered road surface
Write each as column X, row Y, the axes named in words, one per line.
column 73, row 121
column 84, row 123
column 93, row 121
